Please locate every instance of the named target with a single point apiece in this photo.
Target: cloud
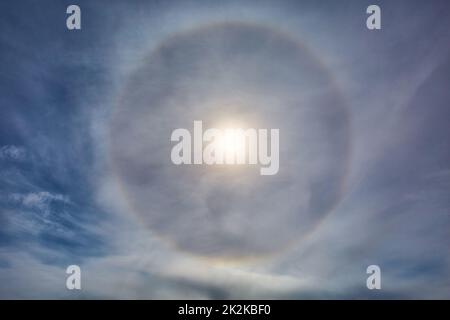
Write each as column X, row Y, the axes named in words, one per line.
column 11, row 152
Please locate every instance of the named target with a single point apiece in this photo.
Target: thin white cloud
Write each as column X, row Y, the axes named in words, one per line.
column 12, row 152
column 39, row 200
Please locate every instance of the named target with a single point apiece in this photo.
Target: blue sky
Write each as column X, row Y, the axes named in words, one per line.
column 85, row 121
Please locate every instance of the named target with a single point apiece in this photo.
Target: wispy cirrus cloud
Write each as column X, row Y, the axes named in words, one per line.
column 39, row 200
column 11, row 152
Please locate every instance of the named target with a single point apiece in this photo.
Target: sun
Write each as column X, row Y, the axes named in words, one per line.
column 232, row 144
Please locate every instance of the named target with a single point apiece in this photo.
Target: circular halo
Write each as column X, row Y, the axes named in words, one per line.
column 234, row 72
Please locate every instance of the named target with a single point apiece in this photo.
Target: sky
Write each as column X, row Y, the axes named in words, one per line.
column 86, row 178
